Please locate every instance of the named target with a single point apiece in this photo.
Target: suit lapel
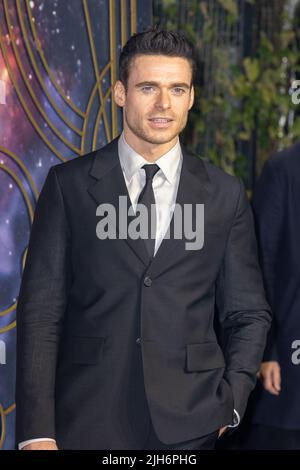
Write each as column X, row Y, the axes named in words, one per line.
column 109, row 186
column 193, row 188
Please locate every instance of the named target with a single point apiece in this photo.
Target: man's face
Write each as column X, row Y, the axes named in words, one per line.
column 158, row 97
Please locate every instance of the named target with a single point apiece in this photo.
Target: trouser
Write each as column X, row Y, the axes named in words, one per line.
column 207, row 442
column 262, row 437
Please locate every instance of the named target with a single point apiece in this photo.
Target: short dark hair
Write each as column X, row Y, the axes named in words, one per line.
column 156, row 42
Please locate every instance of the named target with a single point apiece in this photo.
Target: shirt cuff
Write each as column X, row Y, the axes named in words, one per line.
column 236, row 420
column 30, row 441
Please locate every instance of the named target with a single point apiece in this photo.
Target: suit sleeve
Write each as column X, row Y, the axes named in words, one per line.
column 40, row 314
column 268, row 206
column 244, row 313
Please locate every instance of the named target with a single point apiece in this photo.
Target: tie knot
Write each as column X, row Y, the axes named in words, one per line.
column 151, row 169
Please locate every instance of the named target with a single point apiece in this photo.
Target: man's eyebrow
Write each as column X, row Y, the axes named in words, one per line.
column 172, row 85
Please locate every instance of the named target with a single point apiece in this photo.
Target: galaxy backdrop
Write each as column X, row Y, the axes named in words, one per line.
column 58, row 59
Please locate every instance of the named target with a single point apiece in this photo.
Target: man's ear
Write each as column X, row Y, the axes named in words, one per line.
column 119, row 93
column 192, row 97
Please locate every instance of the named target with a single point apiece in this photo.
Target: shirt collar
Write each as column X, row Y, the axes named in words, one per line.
column 131, row 161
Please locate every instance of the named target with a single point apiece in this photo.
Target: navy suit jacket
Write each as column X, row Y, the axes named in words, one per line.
column 276, row 205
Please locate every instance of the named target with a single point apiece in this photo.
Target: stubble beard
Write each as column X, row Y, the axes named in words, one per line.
column 152, row 139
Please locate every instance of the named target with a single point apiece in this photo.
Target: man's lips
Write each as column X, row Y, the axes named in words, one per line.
column 160, row 123
column 160, row 119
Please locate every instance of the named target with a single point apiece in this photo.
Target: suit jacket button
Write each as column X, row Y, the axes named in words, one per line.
column 138, row 341
column 147, row 281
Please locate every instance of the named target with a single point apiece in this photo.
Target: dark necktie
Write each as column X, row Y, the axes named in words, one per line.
column 147, row 198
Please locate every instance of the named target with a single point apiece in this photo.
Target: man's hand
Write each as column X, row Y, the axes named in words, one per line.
column 42, row 445
column 222, row 430
column 270, row 376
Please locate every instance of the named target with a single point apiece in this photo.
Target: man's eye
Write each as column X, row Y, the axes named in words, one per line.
column 147, row 89
column 179, row 91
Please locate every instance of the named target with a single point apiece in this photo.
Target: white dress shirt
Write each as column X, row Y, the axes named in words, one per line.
column 165, row 182
column 165, row 186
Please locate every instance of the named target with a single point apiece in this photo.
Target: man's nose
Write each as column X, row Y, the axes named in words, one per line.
column 163, row 100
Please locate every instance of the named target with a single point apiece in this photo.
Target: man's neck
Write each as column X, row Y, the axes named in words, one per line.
column 150, row 152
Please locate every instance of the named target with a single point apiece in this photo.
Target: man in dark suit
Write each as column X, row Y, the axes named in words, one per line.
column 117, row 347
column 276, row 204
